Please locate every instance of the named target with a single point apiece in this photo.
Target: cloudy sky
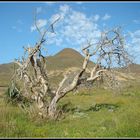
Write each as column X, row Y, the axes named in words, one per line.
column 79, row 22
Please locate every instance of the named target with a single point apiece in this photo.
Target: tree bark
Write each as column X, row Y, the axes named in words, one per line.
column 52, row 110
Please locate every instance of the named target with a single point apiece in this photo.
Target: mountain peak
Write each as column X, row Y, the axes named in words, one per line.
column 69, row 52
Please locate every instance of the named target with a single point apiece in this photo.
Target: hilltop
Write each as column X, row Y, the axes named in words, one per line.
column 66, row 58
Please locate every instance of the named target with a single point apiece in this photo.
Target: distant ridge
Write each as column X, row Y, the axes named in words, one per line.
column 132, row 68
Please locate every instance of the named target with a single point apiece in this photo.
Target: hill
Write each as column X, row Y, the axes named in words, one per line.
column 66, row 59
column 132, row 68
column 6, row 72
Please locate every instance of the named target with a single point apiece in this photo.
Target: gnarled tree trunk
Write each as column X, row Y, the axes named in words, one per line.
column 36, row 85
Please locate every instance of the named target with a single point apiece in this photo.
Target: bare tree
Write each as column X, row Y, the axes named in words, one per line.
column 35, row 84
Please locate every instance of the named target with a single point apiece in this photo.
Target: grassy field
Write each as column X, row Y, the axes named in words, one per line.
column 88, row 114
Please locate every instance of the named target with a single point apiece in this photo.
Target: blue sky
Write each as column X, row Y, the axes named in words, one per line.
column 80, row 21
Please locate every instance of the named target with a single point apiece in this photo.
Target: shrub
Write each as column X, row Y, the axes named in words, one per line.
column 14, row 96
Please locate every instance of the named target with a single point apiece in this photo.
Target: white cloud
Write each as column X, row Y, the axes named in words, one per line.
column 79, row 28
column 64, row 8
column 40, row 23
column 54, row 17
column 133, row 45
column 96, row 18
column 136, row 38
column 59, row 41
column 74, row 28
column 106, row 17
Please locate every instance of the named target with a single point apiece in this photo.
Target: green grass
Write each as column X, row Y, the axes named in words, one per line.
column 117, row 116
